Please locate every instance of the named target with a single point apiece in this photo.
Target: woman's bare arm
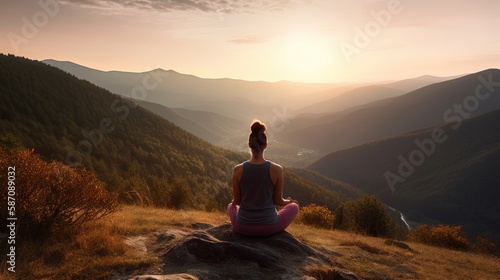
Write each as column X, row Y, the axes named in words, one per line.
column 237, row 172
column 278, row 177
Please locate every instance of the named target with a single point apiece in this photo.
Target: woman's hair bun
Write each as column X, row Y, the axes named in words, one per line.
column 258, row 127
column 258, row 139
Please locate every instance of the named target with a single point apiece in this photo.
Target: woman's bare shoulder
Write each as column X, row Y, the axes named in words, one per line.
column 276, row 167
column 238, row 168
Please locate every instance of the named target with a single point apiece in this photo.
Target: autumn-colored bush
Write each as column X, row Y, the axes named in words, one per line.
column 316, row 215
column 366, row 215
column 49, row 197
column 485, row 246
column 446, row 236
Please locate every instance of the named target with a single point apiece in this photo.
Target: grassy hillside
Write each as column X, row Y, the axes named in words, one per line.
column 431, row 105
column 135, row 152
column 455, row 181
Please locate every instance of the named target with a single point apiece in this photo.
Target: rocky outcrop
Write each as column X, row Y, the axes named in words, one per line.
column 398, row 244
column 216, row 252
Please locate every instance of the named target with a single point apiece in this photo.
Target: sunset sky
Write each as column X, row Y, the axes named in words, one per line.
column 295, row 40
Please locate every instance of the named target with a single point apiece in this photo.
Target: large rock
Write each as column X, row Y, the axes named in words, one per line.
column 182, row 276
column 219, row 253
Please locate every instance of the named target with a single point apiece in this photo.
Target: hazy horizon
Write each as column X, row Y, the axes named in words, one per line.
column 354, row 84
column 315, row 41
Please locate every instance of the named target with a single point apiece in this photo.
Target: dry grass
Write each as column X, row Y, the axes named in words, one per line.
column 132, row 220
column 99, row 251
column 371, row 258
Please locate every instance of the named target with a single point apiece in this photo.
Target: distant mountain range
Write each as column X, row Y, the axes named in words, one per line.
column 237, row 99
column 209, row 108
column 219, row 110
column 424, row 107
column 367, row 94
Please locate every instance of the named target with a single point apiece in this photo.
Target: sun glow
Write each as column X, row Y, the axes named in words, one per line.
column 309, row 54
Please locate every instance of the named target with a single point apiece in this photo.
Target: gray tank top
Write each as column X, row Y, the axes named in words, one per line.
column 257, row 206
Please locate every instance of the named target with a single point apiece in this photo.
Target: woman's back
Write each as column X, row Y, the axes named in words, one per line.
column 257, row 188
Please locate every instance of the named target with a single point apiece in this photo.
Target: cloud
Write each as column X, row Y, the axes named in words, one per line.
column 208, row 6
column 249, row 40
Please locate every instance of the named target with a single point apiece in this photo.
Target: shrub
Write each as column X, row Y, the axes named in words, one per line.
column 133, row 197
column 50, row 197
column 446, row 236
column 316, row 215
column 366, row 215
column 179, row 195
column 485, row 246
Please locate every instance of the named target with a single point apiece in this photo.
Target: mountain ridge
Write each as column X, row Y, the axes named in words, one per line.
column 209, row 126
column 387, row 117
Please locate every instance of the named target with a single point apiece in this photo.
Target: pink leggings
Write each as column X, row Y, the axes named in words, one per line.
column 285, row 215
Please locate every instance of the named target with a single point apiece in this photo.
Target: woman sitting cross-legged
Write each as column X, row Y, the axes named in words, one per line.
column 257, row 189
